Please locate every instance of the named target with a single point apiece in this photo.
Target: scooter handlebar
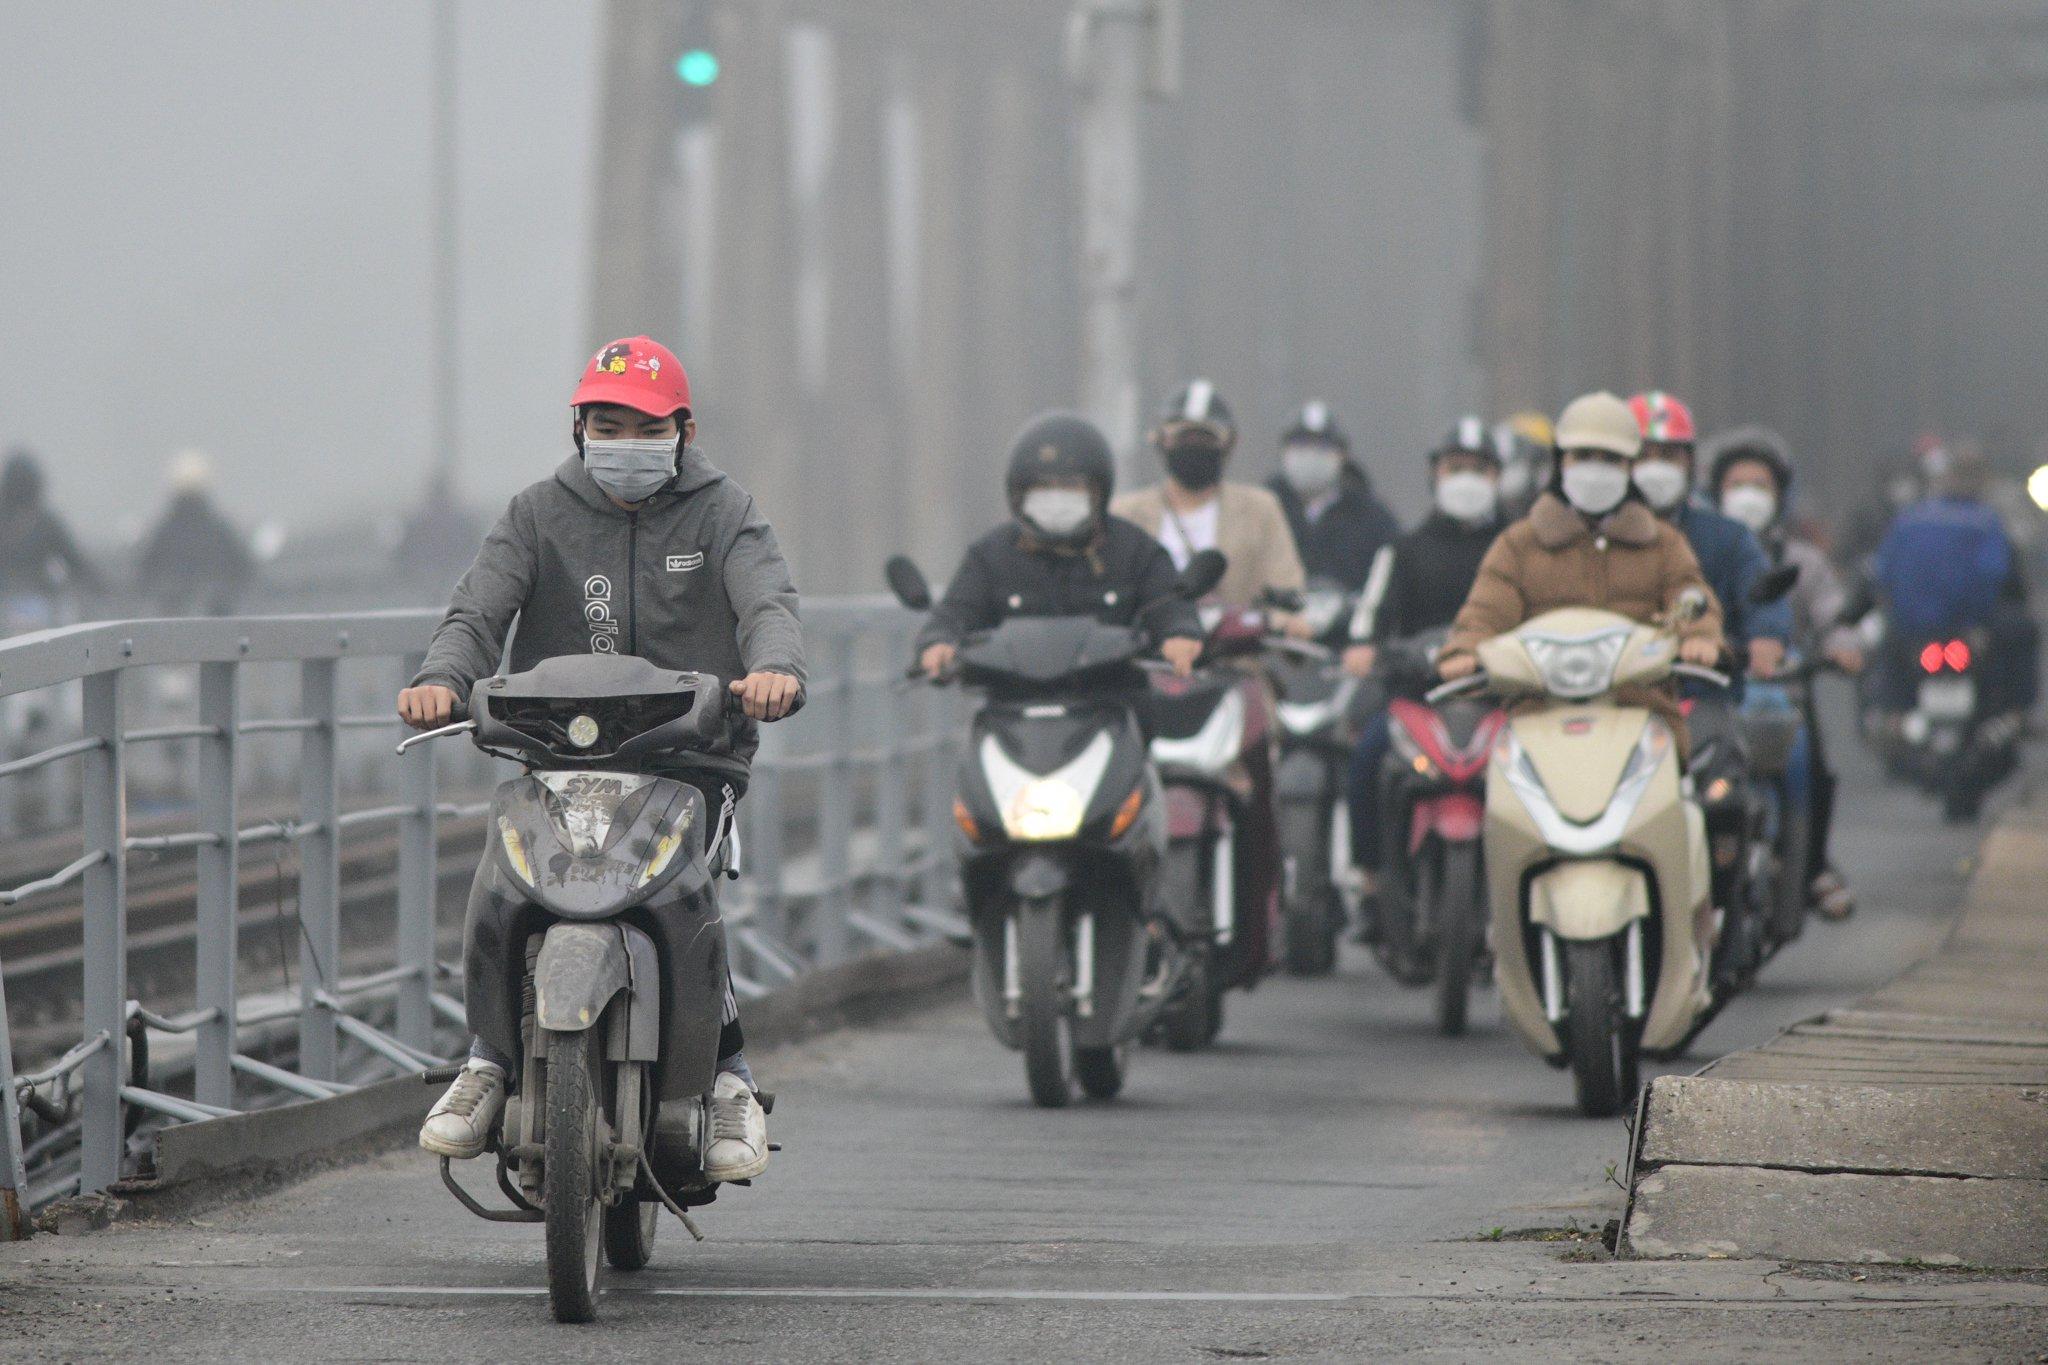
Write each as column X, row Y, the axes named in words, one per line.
column 1456, row 687
column 1701, row 673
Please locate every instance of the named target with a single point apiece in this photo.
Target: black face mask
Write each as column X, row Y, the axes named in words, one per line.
column 1195, row 467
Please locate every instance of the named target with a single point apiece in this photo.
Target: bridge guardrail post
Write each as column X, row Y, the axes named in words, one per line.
column 104, row 818
column 218, row 889
column 319, row 872
column 418, row 885
column 14, row 1224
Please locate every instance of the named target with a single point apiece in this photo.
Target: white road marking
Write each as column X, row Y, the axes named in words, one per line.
column 849, row 1292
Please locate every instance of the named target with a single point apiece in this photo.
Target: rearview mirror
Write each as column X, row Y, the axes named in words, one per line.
column 1773, row 585
column 1202, row 574
column 1690, row 607
column 907, row 581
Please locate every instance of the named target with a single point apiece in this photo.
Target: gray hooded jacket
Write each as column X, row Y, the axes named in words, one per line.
column 691, row 579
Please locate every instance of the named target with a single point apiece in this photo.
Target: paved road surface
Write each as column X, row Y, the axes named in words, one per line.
column 1315, row 1188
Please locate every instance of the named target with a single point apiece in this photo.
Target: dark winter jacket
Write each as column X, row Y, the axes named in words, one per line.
column 1733, row 560
column 1419, row 582
column 1125, row 578
column 195, row 550
column 1342, row 543
column 691, row 579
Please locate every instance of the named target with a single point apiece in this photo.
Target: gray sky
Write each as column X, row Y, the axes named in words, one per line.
column 216, row 232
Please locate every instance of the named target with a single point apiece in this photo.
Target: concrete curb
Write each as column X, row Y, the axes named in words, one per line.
column 202, row 1165
column 1911, row 1127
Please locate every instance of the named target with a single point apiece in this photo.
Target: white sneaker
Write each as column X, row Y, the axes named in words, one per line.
column 460, row 1122
column 739, row 1131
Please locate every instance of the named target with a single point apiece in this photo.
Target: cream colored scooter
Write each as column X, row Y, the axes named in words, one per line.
column 1596, row 856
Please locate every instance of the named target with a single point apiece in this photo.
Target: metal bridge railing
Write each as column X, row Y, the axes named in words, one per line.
column 844, row 835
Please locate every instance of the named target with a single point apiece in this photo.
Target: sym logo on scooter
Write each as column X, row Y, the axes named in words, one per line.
column 597, row 611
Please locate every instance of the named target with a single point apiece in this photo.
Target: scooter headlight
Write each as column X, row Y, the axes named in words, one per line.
column 1045, row 809
column 1579, row 666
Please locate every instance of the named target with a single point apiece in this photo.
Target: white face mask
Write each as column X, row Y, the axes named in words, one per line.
column 1595, row 487
column 1058, row 512
column 1467, row 496
column 1311, row 470
column 1754, row 506
column 630, row 470
column 1662, row 483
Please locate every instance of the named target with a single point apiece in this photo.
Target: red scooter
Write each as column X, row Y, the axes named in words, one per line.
column 1433, row 901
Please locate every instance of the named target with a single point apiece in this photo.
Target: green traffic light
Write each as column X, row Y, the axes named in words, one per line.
column 697, row 67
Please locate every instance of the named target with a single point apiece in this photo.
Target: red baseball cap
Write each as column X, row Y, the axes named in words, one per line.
column 638, row 373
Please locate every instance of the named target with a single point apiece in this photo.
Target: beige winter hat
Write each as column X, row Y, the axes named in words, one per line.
column 1599, row 421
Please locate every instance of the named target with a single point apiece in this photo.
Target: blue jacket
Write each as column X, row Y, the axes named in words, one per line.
column 1943, row 565
column 1732, row 560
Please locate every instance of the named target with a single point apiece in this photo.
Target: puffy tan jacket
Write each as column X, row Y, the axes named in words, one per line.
column 1251, row 531
column 1630, row 563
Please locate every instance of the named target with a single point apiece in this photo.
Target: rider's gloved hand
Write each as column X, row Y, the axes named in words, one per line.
column 1181, row 651
column 1359, row 659
column 766, row 696
column 1455, row 666
column 1766, row 657
column 1705, row 653
column 428, row 707
column 937, row 658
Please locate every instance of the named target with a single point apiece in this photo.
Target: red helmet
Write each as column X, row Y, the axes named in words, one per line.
column 1663, row 418
column 637, row 373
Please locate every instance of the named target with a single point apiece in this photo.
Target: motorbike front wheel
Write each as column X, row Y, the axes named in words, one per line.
column 1459, row 912
column 573, row 1173
column 1310, row 923
column 1598, row 1039
column 1045, row 1028
column 629, row 1233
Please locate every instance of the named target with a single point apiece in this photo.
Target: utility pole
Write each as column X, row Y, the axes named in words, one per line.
column 445, row 366
column 1118, row 51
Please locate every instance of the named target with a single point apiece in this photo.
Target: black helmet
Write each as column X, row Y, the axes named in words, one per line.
column 1059, row 445
column 1467, row 436
column 1315, row 424
column 1762, row 444
column 1199, row 402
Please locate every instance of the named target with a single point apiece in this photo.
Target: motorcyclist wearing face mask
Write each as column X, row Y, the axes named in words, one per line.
column 1194, row 509
column 1588, row 541
column 1339, row 524
column 1418, row 584
column 1063, row 554
column 635, row 545
column 1751, row 477
column 1729, row 553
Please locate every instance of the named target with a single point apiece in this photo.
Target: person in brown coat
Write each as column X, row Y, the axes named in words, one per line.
column 1588, row 542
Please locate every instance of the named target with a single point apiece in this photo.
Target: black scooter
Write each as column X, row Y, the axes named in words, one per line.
column 606, row 863
column 1060, row 830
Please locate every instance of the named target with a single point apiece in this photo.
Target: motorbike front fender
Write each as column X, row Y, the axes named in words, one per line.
column 1588, row 900
column 583, row 966
column 1036, row 876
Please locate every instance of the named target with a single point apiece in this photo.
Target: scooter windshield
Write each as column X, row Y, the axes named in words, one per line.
column 1042, row 650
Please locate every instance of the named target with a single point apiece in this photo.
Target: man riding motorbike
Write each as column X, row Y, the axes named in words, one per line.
column 1728, row 553
column 1589, row 541
column 1063, row 554
column 1751, row 479
column 1339, row 524
column 635, row 545
column 1195, row 510
column 1948, row 565
column 1417, row 584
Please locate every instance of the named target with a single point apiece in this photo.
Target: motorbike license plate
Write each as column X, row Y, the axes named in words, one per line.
column 1948, row 698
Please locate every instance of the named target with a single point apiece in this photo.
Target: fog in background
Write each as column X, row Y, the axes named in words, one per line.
column 215, row 230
